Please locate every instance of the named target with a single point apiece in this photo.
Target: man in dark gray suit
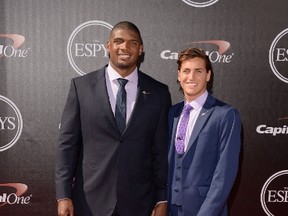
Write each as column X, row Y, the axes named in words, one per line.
column 100, row 169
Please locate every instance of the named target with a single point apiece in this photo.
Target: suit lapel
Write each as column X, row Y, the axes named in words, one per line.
column 143, row 91
column 174, row 123
column 204, row 115
column 138, row 98
column 100, row 95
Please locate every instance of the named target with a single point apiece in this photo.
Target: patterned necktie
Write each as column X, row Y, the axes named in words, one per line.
column 180, row 139
column 120, row 110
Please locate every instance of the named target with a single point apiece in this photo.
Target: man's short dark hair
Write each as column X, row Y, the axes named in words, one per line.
column 130, row 26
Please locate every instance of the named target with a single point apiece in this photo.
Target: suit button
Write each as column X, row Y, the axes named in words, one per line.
column 180, row 156
column 176, row 190
column 178, row 178
column 178, row 168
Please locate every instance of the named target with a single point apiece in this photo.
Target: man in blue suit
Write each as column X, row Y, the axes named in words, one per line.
column 204, row 143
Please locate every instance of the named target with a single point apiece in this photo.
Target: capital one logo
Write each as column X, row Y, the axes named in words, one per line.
column 274, row 128
column 13, row 194
column 200, row 3
column 274, row 194
column 278, row 56
column 10, row 46
column 86, row 48
column 216, row 50
column 11, row 123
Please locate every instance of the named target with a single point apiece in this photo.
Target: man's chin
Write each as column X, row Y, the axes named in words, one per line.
column 124, row 66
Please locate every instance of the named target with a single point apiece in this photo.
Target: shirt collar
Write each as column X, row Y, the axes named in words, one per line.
column 199, row 102
column 114, row 75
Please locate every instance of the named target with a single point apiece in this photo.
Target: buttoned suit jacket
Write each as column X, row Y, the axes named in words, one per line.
column 98, row 166
column 210, row 163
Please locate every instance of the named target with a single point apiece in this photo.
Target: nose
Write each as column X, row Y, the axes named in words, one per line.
column 124, row 45
column 191, row 75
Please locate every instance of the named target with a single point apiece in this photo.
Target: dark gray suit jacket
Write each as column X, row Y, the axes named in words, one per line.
column 97, row 166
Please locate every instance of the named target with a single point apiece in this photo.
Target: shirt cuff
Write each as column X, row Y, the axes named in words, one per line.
column 164, row 201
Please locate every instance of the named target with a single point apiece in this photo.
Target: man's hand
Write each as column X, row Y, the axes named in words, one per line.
column 160, row 210
column 65, row 207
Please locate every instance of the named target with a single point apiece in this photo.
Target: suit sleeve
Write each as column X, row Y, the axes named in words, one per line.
column 68, row 146
column 227, row 166
column 160, row 150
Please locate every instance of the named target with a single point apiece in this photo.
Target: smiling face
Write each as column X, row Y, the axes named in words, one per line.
column 125, row 47
column 193, row 77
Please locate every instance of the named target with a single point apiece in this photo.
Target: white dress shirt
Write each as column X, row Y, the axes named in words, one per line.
column 112, row 84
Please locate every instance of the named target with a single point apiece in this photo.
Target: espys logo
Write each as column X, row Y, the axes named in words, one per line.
column 9, row 46
column 278, row 56
column 11, row 123
column 219, row 55
column 273, row 130
column 86, row 46
column 274, row 194
column 12, row 194
column 199, row 3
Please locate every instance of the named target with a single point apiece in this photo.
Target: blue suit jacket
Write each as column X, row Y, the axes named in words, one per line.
column 210, row 163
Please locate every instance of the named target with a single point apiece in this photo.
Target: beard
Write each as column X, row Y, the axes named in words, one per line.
column 125, row 65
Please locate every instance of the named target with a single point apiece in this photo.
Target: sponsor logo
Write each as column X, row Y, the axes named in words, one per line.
column 264, row 129
column 273, row 130
column 11, row 123
column 278, row 56
column 10, row 46
column 86, row 46
column 218, row 55
column 13, row 194
column 199, row 3
column 274, row 194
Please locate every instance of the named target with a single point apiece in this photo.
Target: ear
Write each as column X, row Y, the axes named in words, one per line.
column 141, row 50
column 208, row 76
column 178, row 75
column 108, row 45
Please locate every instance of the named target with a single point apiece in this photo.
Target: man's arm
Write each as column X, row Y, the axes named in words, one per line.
column 68, row 146
column 227, row 166
column 160, row 148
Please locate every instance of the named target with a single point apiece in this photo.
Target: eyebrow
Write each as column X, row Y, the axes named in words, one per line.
column 120, row 38
column 193, row 69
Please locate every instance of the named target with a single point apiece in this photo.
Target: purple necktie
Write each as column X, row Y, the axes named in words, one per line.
column 180, row 139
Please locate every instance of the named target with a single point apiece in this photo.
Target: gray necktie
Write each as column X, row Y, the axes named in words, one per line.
column 120, row 110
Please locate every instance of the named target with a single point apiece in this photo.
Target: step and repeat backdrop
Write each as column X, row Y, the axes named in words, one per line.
column 45, row 43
